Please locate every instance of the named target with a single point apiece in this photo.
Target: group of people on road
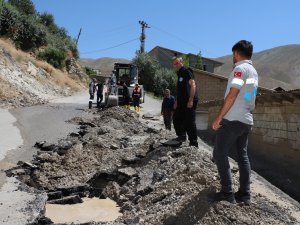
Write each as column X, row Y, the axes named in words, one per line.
column 232, row 124
column 96, row 87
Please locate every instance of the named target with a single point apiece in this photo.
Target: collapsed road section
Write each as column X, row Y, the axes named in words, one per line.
column 119, row 156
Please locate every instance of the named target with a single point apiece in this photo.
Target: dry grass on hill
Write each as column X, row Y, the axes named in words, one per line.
column 60, row 78
column 6, row 91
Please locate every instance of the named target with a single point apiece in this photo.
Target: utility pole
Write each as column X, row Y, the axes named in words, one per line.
column 143, row 36
column 78, row 36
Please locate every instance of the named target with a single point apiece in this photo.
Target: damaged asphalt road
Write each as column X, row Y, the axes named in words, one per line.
column 118, row 155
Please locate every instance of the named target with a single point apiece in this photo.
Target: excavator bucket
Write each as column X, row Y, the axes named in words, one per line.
column 112, row 100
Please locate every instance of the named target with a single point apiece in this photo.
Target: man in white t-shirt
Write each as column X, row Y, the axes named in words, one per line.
column 234, row 123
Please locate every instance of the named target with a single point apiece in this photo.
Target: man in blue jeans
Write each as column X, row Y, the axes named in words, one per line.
column 234, row 123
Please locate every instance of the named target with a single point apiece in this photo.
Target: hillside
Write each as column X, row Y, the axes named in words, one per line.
column 25, row 81
column 105, row 64
column 278, row 66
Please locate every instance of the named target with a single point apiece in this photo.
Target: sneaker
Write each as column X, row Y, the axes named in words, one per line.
column 180, row 139
column 224, row 196
column 242, row 197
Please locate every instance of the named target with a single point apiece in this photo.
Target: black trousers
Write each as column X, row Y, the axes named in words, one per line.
column 136, row 102
column 167, row 119
column 184, row 120
column 99, row 99
column 126, row 100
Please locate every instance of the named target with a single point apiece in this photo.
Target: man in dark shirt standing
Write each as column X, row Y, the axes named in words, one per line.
column 126, row 96
column 184, row 118
column 99, row 94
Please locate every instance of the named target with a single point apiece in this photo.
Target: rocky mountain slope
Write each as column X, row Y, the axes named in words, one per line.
column 276, row 66
column 25, row 80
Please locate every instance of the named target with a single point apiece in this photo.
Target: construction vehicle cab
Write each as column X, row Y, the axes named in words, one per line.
column 128, row 73
column 113, row 90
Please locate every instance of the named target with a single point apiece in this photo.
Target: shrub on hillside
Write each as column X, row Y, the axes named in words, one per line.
column 23, row 30
column 24, row 6
column 20, row 22
column 53, row 56
column 89, row 71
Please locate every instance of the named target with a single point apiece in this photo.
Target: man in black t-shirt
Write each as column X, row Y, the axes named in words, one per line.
column 126, row 96
column 184, row 118
column 99, row 94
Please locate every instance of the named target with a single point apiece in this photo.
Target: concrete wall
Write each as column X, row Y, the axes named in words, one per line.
column 277, row 123
column 209, row 86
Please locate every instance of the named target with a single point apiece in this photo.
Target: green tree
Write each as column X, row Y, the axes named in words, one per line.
column 47, row 19
column 199, row 64
column 164, row 78
column 89, row 71
column 147, row 68
column 24, row 6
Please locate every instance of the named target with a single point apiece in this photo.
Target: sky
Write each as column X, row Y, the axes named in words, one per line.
column 110, row 28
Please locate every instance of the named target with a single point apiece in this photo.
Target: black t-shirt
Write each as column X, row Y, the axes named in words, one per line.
column 125, row 92
column 99, row 88
column 183, row 87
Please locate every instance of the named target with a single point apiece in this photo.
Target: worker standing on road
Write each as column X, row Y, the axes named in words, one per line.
column 99, row 94
column 167, row 108
column 184, row 118
column 136, row 95
column 126, row 96
column 234, row 122
column 92, row 88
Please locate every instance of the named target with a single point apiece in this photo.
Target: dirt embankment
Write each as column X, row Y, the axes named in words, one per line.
column 115, row 155
column 26, row 81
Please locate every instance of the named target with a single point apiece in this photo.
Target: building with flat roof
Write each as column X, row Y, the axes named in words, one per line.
column 164, row 57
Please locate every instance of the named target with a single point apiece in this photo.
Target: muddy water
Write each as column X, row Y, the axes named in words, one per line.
column 92, row 209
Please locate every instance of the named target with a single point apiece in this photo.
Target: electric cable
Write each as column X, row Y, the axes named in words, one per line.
column 105, row 49
column 182, row 40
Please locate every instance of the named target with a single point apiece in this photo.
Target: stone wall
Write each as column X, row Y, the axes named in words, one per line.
column 209, row 85
column 277, row 123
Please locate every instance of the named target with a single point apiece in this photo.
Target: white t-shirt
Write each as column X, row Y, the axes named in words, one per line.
column 245, row 78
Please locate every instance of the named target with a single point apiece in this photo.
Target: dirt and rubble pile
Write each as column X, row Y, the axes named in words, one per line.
column 152, row 183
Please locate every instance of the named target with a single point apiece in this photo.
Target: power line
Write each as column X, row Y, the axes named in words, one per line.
column 166, row 32
column 115, row 46
column 115, row 31
column 118, row 28
column 180, row 39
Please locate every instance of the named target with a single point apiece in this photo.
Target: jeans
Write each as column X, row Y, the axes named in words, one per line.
column 184, row 120
column 232, row 134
